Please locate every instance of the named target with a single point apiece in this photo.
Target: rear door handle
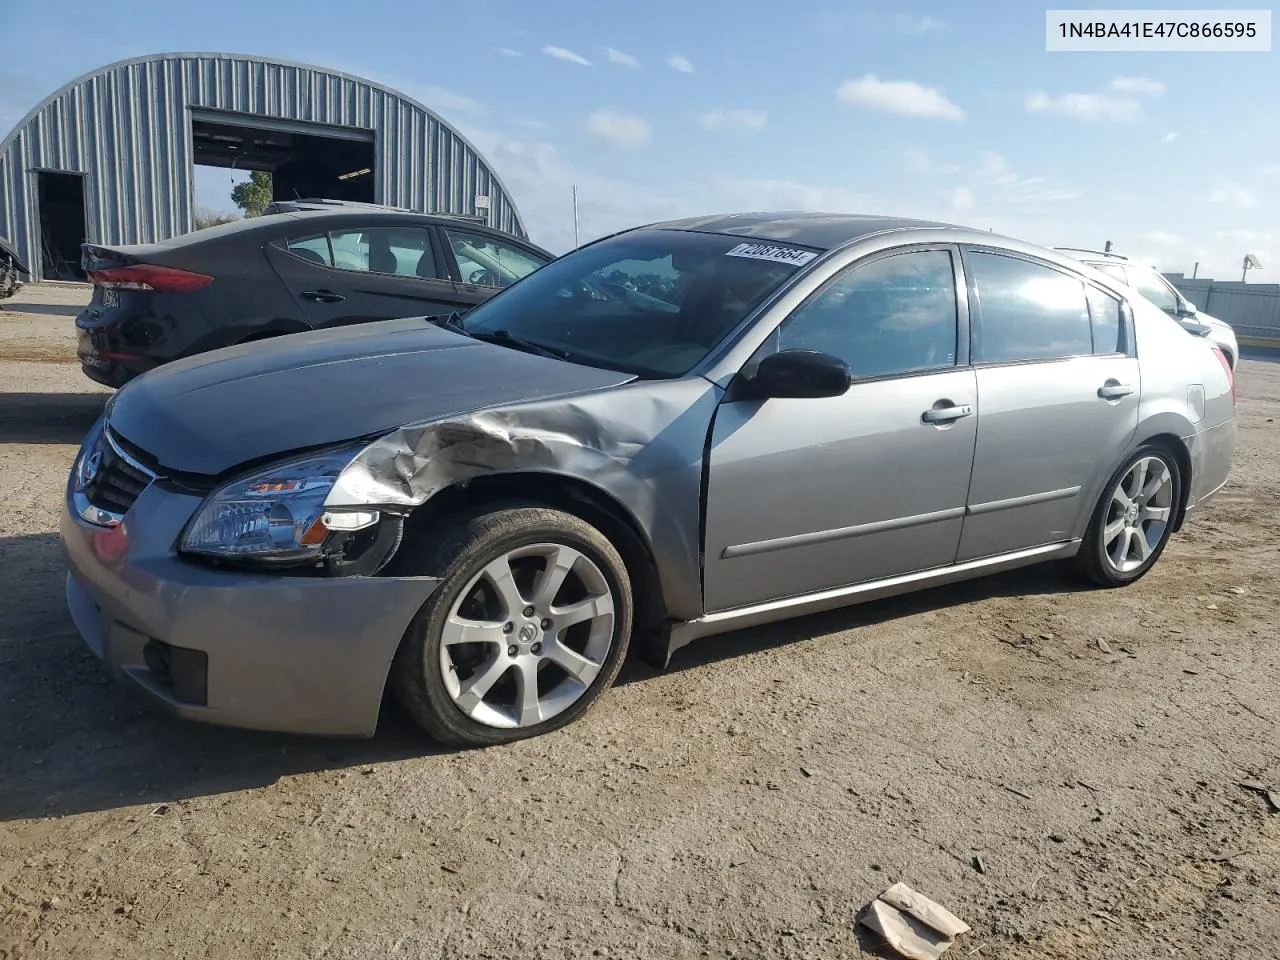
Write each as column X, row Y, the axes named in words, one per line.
column 947, row 414
column 1114, row 390
column 323, row 296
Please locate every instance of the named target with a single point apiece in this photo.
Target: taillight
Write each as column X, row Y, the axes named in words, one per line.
column 1226, row 365
column 146, row 276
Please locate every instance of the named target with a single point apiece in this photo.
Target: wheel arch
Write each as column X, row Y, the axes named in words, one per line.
column 575, row 496
column 1174, row 445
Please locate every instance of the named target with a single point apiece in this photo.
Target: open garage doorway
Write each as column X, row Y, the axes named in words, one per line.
column 305, row 160
column 60, row 200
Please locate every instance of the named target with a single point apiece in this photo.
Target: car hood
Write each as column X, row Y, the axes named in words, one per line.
column 1219, row 326
column 213, row 412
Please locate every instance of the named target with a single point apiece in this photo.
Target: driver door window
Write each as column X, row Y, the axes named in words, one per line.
column 1149, row 285
column 891, row 316
column 486, row 262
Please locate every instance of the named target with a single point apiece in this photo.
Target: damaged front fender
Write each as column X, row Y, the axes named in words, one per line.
column 643, row 444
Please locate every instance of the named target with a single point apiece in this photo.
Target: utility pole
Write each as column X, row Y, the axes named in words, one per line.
column 575, row 217
column 1195, row 270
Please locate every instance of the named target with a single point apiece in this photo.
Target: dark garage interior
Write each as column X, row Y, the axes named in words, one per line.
column 304, row 160
column 60, row 198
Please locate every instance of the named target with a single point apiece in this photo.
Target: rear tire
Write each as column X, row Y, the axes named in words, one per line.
column 528, row 627
column 1133, row 519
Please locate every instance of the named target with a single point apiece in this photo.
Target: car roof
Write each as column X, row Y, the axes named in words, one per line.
column 827, row 231
column 340, row 216
column 821, row 231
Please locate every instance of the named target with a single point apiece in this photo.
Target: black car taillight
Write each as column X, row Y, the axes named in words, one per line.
column 146, row 276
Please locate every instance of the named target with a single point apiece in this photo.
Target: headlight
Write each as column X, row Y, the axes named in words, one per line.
column 276, row 515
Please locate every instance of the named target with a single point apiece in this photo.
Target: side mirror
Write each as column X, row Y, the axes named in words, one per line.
column 805, row 374
column 1185, row 309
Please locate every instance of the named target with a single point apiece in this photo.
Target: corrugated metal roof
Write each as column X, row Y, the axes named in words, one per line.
column 126, row 127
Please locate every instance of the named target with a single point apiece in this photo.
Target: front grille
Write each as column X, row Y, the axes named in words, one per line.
column 118, row 482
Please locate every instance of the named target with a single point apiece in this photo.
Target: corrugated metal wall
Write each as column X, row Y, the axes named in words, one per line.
column 1252, row 309
column 127, row 128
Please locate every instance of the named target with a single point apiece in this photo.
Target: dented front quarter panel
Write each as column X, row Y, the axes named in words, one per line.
column 643, row 444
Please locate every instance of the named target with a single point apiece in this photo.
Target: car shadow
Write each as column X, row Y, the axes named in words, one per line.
column 48, row 417
column 46, row 309
column 77, row 741
column 1039, row 580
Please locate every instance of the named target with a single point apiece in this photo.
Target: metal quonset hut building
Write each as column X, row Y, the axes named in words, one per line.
column 109, row 158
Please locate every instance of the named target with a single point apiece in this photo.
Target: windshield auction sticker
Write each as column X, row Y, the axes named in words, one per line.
column 1158, row 31
column 773, row 253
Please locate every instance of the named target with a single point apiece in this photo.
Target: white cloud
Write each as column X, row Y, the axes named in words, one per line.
column 918, row 24
column 1232, row 194
column 995, row 171
column 1270, row 169
column 961, row 200
column 620, row 58
column 1137, row 86
column 679, row 63
column 620, row 129
column 1169, row 137
column 1161, row 238
column 918, row 161
column 1246, row 236
column 438, row 98
column 1084, row 106
column 508, row 52
column 560, row 53
column 738, row 121
column 904, row 97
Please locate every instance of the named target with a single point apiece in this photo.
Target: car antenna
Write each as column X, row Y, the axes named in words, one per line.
column 1107, row 248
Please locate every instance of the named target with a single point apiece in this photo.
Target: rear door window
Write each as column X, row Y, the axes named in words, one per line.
column 1027, row 311
column 314, row 249
column 398, row 251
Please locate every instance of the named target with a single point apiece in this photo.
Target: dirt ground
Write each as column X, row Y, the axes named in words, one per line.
column 745, row 803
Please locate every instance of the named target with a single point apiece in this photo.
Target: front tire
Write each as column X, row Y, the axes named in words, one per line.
column 1133, row 520
column 528, row 627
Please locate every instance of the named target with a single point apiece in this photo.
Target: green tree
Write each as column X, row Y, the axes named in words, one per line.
column 254, row 194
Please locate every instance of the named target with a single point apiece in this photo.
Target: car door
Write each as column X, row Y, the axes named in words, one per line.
column 358, row 274
column 809, row 494
column 484, row 265
column 1058, row 385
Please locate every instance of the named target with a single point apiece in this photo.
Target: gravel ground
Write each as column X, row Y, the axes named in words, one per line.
column 746, row 803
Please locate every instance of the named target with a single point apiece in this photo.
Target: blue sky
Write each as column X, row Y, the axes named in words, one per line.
column 671, row 108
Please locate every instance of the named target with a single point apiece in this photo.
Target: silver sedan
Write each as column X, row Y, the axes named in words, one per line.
column 679, row 430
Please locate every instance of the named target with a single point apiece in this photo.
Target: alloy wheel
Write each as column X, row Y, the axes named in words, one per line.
column 1138, row 514
column 527, row 636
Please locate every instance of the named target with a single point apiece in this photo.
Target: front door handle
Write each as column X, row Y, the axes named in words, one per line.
column 947, row 414
column 1114, row 390
column 323, row 296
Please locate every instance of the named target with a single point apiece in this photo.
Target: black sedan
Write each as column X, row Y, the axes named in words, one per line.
column 284, row 273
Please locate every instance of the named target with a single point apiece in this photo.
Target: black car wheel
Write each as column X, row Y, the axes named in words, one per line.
column 528, row 627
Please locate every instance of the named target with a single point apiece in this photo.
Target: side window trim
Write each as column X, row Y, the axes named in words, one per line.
column 1092, row 289
column 962, row 312
column 975, row 306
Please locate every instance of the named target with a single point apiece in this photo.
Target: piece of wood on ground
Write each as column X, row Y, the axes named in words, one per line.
column 906, row 935
column 925, row 910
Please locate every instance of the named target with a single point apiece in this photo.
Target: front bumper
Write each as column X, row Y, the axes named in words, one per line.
column 262, row 651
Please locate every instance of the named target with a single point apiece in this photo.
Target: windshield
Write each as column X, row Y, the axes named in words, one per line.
column 653, row 303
